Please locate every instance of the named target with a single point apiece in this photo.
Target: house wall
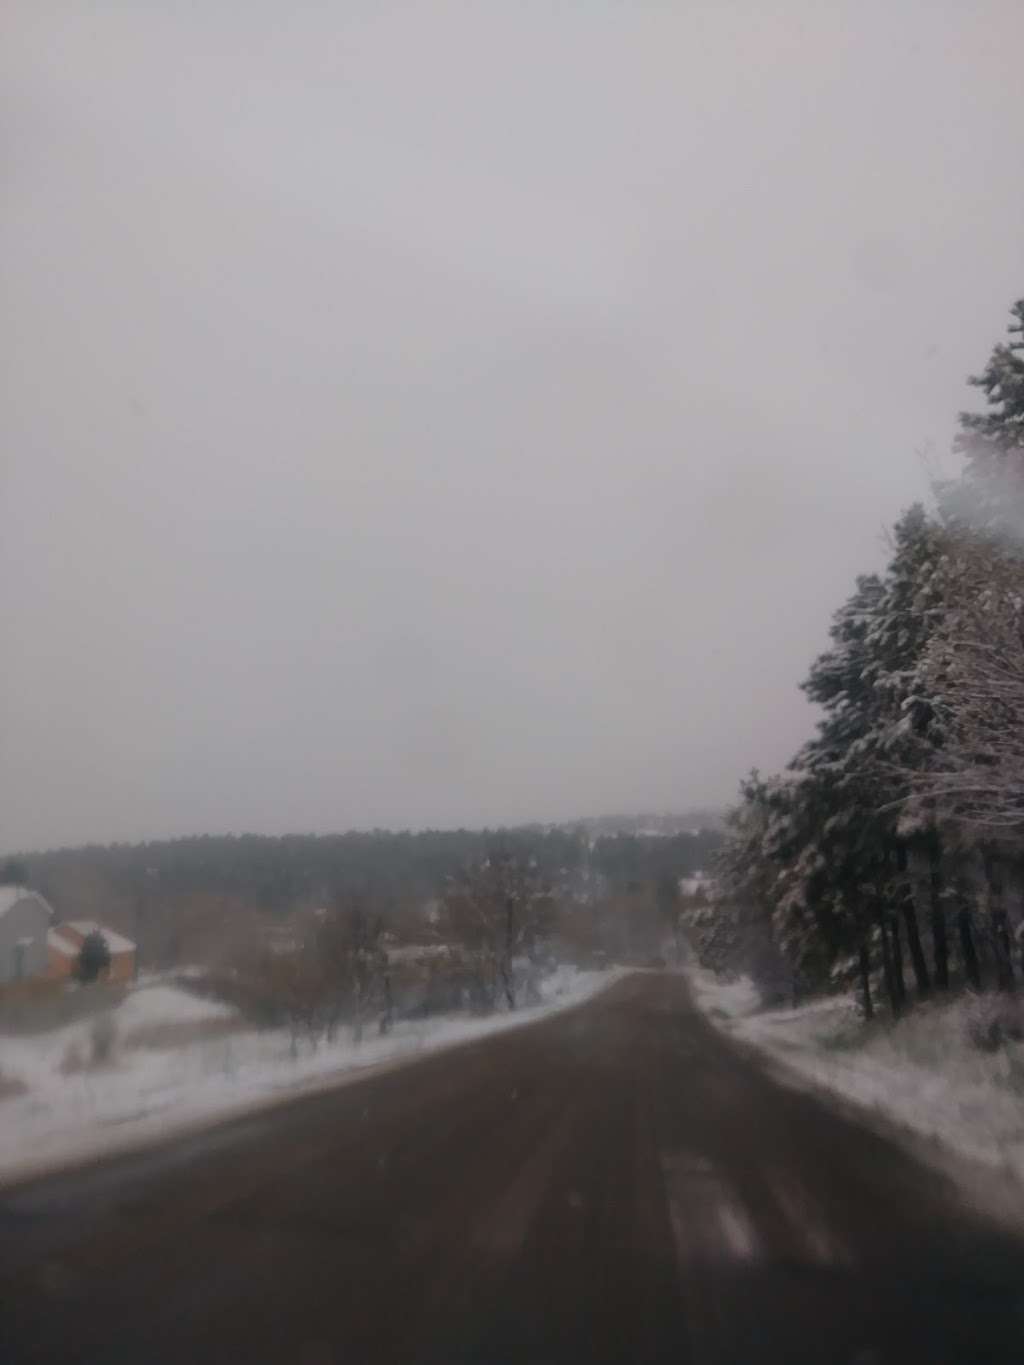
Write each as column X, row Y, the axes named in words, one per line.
column 26, row 919
column 122, row 968
column 120, row 971
column 60, row 965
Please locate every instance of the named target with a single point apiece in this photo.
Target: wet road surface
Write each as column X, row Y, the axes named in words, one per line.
column 616, row 1183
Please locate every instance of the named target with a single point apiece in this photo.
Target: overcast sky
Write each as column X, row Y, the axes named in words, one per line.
column 441, row 413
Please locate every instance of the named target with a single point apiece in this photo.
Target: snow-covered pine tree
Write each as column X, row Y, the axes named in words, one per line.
column 741, row 924
column 990, row 495
column 903, row 740
column 972, row 667
column 974, row 785
column 855, row 826
column 991, row 440
column 822, row 918
column 917, row 761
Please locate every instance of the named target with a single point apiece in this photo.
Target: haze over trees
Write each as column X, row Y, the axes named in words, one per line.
column 206, row 899
column 889, row 850
column 501, row 922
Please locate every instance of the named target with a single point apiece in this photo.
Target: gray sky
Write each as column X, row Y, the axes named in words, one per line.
column 458, row 412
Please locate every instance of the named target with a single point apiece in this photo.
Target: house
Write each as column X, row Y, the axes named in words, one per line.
column 25, row 919
column 64, row 944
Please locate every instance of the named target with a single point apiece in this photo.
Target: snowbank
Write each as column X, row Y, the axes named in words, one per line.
column 923, row 1072
column 154, row 1005
column 146, row 1092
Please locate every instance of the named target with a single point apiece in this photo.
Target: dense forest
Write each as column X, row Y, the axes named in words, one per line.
column 194, row 897
column 888, row 853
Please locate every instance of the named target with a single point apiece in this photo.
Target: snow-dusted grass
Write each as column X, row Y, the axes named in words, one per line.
column 924, row 1072
column 724, row 999
column 146, row 1092
column 159, row 1004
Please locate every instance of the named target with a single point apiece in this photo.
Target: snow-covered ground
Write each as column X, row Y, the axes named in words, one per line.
column 147, row 1092
column 924, row 1072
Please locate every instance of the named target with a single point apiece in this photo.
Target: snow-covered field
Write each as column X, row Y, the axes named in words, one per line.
column 924, row 1072
column 146, row 1092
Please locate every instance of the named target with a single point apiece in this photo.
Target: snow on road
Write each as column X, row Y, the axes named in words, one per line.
column 148, row 1092
column 924, row 1072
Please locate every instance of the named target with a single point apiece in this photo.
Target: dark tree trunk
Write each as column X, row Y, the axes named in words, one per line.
column 1001, row 943
column 909, row 912
column 865, row 979
column 888, row 974
column 140, row 912
column 507, row 985
column 387, row 1013
column 967, row 949
column 940, row 941
column 998, row 926
column 507, row 981
column 1019, row 933
column 899, row 983
column 921, row 977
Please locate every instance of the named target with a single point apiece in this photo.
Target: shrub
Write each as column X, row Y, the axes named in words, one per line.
column 102, row 1038
column 993, row 1020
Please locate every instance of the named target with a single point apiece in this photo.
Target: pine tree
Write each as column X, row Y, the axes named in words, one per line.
column 741, row 928
column 911, row 610
column 13, row 872
column 990, row 495
column 995, row 439
column 846, row 766
column 94, row 957
column 917, row 762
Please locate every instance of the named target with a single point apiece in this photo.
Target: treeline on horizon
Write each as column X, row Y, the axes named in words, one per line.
column 279, row 874
column 889, row 852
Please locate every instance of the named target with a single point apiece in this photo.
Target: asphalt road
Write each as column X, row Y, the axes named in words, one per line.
column 617, row 1183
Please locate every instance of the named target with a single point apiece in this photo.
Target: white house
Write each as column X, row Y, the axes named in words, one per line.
column 25, row 919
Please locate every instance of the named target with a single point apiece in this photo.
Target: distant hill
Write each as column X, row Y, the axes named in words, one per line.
column 662, row 825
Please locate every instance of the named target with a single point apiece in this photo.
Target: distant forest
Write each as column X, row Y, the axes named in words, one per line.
column 168, row 893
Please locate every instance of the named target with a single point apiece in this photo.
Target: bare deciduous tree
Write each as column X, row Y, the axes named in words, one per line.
column 353, row 958
column 330, row 969
column 499, row 911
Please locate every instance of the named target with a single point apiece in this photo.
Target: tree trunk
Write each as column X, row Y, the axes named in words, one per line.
column 887, row 966
column 897, row 961
column 918, row 963
column 865, row 979
column 1019, row 932
column 998, row 925
column 967, row 949
column 388, row 1012
column 140, row 910
column 909, row 919
column 508, row 985
column 940, row 941
column 506, row 960
column 1004, row 960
